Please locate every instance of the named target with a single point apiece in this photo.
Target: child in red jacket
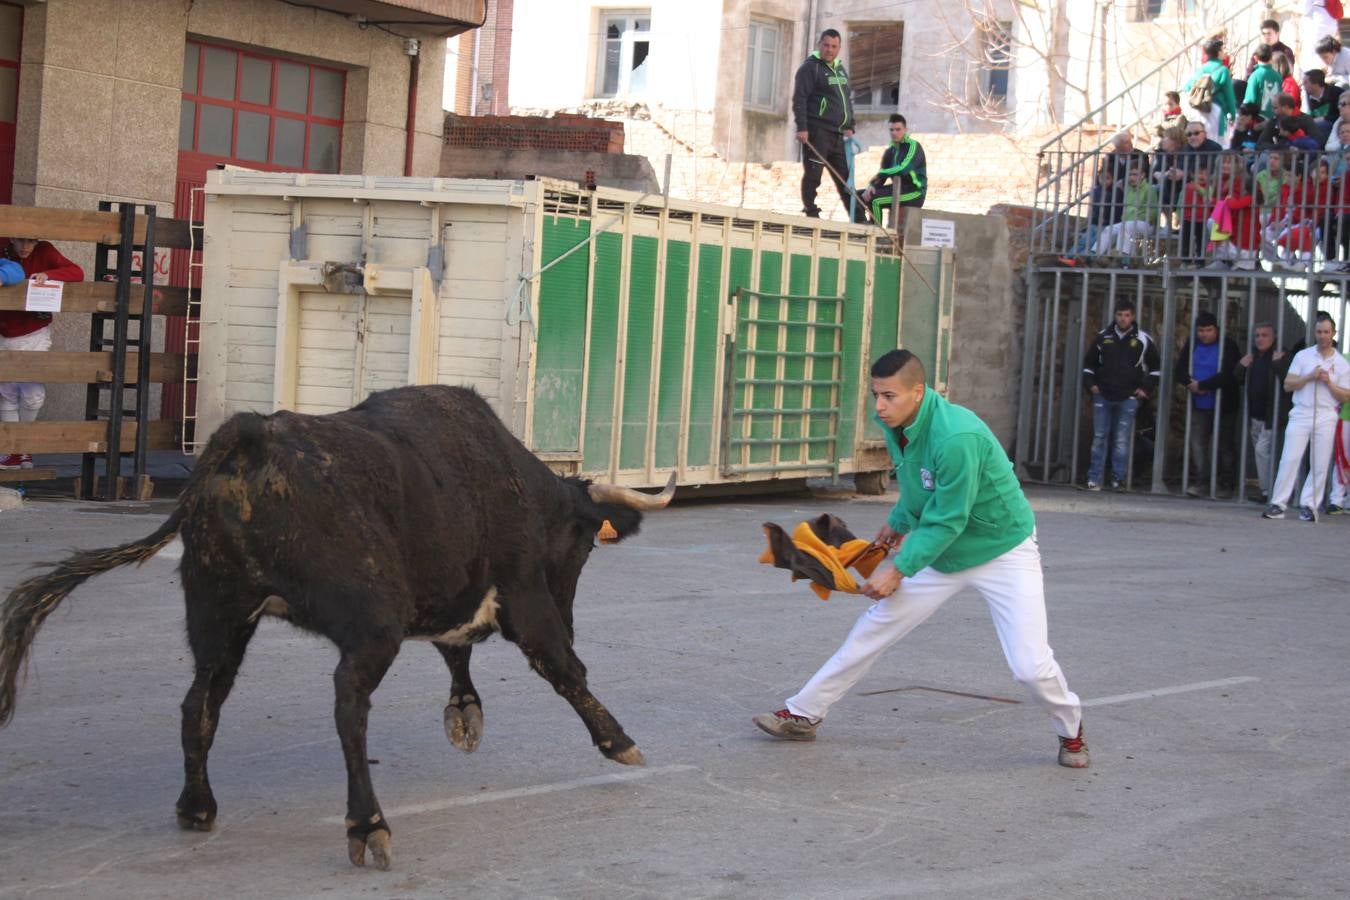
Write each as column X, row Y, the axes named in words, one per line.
column 1231, row 192
column 1197, row 202
column 22, row 330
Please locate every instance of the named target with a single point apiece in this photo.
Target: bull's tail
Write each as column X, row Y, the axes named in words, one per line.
column 29, row 604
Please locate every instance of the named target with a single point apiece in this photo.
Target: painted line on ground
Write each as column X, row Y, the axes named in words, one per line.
column 535, row 790
column 1163, row 692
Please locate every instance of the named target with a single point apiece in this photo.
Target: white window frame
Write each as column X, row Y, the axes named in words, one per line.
column 764, row 41
column 631, row 33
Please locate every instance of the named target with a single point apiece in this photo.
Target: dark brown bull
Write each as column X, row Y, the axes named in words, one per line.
column 416, row 515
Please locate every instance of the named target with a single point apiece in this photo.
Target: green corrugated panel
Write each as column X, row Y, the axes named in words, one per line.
column 599, row 425
column 827, row 285
column 704, row 389
column 561, row 346
column 855, row 273
column 794, row 370
column 672, row 354
column 885, row 315
column 740, row 274
column 637, row 375
column 918, row 326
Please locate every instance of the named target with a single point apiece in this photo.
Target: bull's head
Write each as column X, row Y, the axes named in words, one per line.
column 621, row 508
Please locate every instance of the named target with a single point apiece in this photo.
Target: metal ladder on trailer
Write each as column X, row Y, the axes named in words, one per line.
column 115, row 262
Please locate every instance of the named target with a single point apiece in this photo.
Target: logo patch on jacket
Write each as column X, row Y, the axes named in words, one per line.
column 927, row 478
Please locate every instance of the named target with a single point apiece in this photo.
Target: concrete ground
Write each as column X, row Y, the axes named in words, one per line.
column 1209, row 646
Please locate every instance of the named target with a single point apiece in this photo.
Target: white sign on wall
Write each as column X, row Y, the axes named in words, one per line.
column 938, row 233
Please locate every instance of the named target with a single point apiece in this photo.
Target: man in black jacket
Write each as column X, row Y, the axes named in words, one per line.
column 1285, row 105
column 1264, row 368
column 1207, row 372
column 1120, row 369
column 904, row 166
column 823, row 112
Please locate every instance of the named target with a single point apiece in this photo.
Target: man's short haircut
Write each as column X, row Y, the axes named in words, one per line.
column 1206, row 319
column 1123, row 303
column 902, row 362
column 1250, row 109
column 1173, row 96
column 1289, row 124
column 1283, row 99
column 1270, row 24
column 1316, row 76
column 1328, row 44
column 830, row 32
column 1213, row 47
column 1259, row 325
column 1323, row 316
column 1263, row 53
column 896, row 117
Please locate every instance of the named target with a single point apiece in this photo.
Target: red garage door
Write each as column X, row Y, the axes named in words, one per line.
column 249, row 109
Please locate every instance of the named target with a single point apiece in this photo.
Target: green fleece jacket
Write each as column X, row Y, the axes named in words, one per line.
column 960, row 503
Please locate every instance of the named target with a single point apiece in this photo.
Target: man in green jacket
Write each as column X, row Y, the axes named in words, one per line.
column 961, row 521
column 1264, row 84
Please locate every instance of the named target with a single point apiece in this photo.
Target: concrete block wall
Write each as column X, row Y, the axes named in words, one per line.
column 572, row 133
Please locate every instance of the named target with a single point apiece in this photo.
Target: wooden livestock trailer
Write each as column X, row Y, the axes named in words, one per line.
column 619, row 335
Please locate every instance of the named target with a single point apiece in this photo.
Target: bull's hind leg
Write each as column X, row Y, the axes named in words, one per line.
column 218, row 642
column 464, row 712
column 545, row 641
column 357, row 676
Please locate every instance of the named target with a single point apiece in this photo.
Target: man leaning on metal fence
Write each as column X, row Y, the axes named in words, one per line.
column 1263, row 369
column 1120, row 369
column 1207, row 370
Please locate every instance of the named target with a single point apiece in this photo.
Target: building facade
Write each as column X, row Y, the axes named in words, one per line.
column 107, row 99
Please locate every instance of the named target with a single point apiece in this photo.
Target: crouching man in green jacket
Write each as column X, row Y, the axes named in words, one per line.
column 961, row 521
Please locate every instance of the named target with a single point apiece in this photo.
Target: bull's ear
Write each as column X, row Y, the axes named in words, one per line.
column 613, row 523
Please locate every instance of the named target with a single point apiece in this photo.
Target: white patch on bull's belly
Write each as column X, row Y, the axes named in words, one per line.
column 485, row 618
column 272, row 606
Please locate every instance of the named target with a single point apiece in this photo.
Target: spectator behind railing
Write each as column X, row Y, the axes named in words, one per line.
column 1263, row 84
column 1104, row 207
column 1270, row 36
column 1337, row 60
column 1285, row 107
column 1172, row 116
column 1233, row 233
column 1320, row 99
column 1168, row 175
column 1207, row 372
column 1274, row 186
column 1336, row 230
column 1262, row 369
column 1247, row 132
column 1196, row 205
column 1288, row 83
column 1138, row 218
column 1334, row 141
column 1209, row 92
column 1342, row 152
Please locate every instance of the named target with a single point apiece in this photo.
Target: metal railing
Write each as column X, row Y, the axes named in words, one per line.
column 1281, row 209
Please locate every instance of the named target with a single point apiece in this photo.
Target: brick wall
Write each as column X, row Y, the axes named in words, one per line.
column 562, row 132
column 967, row 173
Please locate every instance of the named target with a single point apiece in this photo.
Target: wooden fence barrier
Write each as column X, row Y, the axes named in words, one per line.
column 98, row 299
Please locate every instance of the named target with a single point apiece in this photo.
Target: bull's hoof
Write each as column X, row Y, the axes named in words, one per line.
column 630, row 757
column 197, row 821
column 464, row 725
column 380, row 845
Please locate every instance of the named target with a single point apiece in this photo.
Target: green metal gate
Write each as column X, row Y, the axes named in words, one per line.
column 785, row 374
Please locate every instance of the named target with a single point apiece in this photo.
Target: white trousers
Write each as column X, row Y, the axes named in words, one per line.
column 1123, row 237
column 1013, row 587
column 21, row 400
column 1297, row 437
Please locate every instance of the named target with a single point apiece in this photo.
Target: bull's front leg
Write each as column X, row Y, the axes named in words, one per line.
column 464, row 711
column 545, row 641
column 357, row 676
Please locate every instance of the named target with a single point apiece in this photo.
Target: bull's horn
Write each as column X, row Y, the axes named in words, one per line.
column 624, row 496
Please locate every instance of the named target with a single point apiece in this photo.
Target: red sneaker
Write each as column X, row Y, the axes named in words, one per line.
column 11, row 461
column 25, row 461
column 1073, row 752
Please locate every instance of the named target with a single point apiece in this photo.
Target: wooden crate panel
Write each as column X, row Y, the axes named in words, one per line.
column 81, row 437
column 468, row 348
